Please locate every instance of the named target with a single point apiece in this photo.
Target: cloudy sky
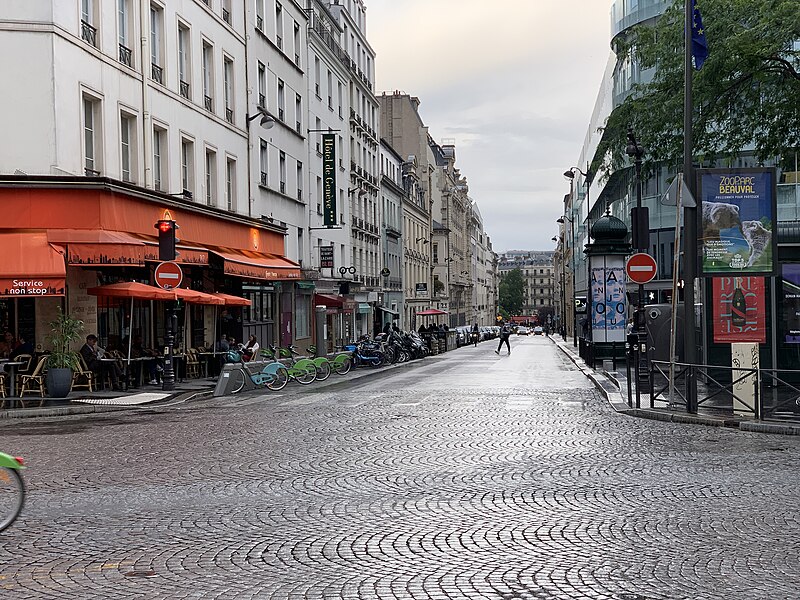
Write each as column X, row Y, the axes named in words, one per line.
column 513, row 83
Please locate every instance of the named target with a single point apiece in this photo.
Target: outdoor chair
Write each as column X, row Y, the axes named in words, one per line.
column 25, row 368
column 3, row 386
column 192, row 363
column 82, row 377
column 34, row 382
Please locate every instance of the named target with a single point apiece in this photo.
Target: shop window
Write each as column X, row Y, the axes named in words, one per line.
column 302, row 316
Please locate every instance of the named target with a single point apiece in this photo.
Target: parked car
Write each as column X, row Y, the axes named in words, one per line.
column 522, row 330
column 538, row 330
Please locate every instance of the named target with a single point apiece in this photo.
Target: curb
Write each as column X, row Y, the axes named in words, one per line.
column 613, row 395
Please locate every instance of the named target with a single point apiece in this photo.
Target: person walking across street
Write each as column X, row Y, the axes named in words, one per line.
column 505, row 334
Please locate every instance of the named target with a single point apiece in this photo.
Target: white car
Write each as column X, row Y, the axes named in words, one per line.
column 538, row 331
column 521, row 330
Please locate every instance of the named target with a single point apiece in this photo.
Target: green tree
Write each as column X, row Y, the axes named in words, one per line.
column 745, row 96
column 511, row 292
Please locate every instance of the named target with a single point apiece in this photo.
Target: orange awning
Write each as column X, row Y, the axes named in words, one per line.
column 257, row 265
column 132, row 289
column 30, row 266
column 233, row 300
column 195, row 297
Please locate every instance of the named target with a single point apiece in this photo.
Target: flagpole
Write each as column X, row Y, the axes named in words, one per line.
column 689, row 220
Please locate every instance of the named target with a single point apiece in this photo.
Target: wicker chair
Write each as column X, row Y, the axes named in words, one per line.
column 25, row 369
column 34, row 382
column 192, row 363
column 3, row 387
column 82, row 377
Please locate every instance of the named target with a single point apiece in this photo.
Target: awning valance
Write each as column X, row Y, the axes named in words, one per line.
column 363, row 307
column 30, row 266
column 389, row 310
column 257, row 265
column 328, row 301
column 131, row 289
column 233, row 300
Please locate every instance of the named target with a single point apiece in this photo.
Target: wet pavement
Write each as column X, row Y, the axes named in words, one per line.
column 468, row 475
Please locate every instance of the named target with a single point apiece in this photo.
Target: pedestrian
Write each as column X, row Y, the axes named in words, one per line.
column 505, row 334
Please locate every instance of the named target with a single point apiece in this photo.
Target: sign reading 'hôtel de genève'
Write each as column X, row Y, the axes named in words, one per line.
column 329, row 179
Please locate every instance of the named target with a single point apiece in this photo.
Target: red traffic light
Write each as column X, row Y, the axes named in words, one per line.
column 164, row 226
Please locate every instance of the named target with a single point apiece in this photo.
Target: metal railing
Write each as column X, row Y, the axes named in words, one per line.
column 208, row 102
column 226, row 16
column 229, row 114
column 263, row 178
column 157, row 73
column 184, row 89
column 89, row 33
column 125, row 55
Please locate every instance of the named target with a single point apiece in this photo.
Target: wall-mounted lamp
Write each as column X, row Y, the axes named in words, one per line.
column 328, row 130
column 267, row 120
column 423, row 240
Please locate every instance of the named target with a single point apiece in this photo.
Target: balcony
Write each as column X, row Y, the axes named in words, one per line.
column 263, row 180
column 229, row 114
column 279, row 42
column 283, row 187
column 89, row 34
column 260, row 23
column 157, row 73
column 299, row 127
column 297, row 59
column 208, row 102
column 91, row 172
column 125, row 56
column 262, row 100
column 300, row 194
column 226, row 16
column 184, row 89
column 280, row 114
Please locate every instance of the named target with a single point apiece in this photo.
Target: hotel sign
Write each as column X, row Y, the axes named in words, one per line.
column 326, row 257
column 329, row 179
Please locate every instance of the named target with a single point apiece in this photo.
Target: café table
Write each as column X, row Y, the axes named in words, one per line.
column 109, row 361
column 12, row 375
column 208, row 362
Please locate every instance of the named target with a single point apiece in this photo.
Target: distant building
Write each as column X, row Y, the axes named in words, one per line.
column 538, row 272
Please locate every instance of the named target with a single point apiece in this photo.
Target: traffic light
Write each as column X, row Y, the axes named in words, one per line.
column 166, row 239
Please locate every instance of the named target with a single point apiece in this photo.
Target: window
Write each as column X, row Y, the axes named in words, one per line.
column 184, row 60
column 208, row 76
column 279, row 26
column 88, row 20
column 262, row 85
column 227, row 75
column 263, row 158
column 260, row 15
column 316, row 77
column 123, row 25
column 159, row 158
column 281, row 100
column 302, row 313
column 211, row 177
column 341, row 100
column 127, row 155
column 299, row 181
column 187, row 164
column 156, row 27
column 283, row 171
column 330, row 89
column 435, row 253
column 297, row 43
column 298, row 113
column 226, row 11
column 230, row 183
column 91, row 136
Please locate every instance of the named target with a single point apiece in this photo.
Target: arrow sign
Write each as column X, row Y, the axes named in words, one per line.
column 641, row 268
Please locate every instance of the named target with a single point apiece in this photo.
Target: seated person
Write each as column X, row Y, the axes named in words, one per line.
column 250, row 348
column 25, row 347
column 92, row 353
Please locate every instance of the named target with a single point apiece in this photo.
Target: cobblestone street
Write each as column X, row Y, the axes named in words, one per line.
column 465, row 476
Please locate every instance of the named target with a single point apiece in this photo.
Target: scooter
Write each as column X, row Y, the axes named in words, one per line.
column 12, row 489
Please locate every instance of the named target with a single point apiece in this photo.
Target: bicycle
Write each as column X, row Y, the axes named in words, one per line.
column 12, row 489
column 303, row 371
column 273, row 375
column 339, row 364
column 321, row 363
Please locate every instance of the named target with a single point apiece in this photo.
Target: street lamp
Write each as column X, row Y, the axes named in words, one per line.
column 572, row 262
column 562, row 318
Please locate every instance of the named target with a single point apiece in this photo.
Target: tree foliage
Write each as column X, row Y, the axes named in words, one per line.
column 746, row 96
column 511, row 298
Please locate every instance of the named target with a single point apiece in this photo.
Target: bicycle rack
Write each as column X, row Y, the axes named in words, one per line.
column 225, row 384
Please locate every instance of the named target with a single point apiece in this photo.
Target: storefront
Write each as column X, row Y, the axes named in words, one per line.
column 62, row 236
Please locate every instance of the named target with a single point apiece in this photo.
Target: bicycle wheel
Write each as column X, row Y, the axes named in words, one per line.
column 280, row 379
column 12, row 496
column 342, row 365
column 237, row 381
column 305, row 374
column 323, row 370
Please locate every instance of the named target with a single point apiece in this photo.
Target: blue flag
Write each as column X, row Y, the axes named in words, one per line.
column 699, row 44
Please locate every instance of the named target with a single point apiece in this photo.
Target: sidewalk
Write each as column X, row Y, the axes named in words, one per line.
column 613, row 385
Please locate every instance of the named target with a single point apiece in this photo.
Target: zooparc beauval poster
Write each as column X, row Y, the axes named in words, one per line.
column 738, row 221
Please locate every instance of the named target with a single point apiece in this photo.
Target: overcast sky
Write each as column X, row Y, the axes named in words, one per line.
column 513, row 83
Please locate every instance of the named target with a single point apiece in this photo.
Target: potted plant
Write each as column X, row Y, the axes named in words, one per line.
column 62, row 361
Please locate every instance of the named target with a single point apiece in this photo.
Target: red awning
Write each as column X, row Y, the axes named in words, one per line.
column 195, row 297
column 131, row 289
column 431, row 312
column 257, row 265
column 328, row 301
column 30, row 266
column 233, row 300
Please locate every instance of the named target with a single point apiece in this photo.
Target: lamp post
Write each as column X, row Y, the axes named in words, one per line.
column 561, row 220
column 561, row 320
column 640, row 227
column 588, row 177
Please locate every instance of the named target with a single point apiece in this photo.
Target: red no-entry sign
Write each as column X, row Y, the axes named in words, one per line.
column 641, row 268
column 168, row 275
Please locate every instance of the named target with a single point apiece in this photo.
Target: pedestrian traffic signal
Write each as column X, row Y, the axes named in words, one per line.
column 166, row 239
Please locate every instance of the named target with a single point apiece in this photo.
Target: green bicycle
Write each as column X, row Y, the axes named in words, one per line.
column 12, row 489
